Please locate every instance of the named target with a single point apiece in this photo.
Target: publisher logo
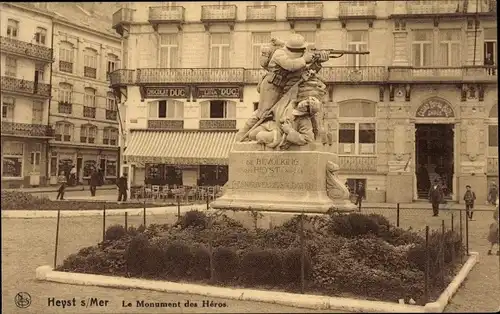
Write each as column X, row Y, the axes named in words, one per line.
column 22, row 300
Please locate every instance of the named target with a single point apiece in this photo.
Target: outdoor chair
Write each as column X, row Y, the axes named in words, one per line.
column 155, row 191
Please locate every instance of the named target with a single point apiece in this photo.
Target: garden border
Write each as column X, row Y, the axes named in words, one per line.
column 46, row 273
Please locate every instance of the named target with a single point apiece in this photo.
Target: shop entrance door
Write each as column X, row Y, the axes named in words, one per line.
column 434, row 157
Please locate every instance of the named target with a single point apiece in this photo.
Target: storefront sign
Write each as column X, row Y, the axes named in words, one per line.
column 166, row 92
column 435, row 108
column 219, row 92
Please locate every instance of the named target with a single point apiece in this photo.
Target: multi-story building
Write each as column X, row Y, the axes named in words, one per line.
column 26, row 59
column 83, row 109
column 423, row 100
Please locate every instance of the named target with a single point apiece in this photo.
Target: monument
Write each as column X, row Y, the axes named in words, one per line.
column 279, row 162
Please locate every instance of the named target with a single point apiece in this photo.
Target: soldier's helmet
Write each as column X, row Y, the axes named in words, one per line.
column 310, row 106
column 296, row 41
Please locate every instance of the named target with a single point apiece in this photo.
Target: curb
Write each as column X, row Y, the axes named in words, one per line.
column 46, row 273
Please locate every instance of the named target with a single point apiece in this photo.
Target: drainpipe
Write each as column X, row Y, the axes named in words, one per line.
column 47, row 155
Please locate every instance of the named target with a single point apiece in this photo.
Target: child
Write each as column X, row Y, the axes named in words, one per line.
column 493, row 234
column 469, row 199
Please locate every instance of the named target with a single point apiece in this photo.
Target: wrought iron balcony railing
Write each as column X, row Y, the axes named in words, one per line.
column 261, row 13
column 166, row 14
column 214, row 13
column 360, row 74
column 65, row 66
column 25, row 87
column 90, row 72
column 217, row 124
column 166, row 124
column 435, row 7
column 350, row 9
column 358, row 163
column 26, row 129
column 223, row 75
column 65, row 107
column 304, row 11
column 111, row 115
column 252, row 76
column 430, row 74
column 21, row 48
column 89, row 112
column 122, row 77
column 123, row 16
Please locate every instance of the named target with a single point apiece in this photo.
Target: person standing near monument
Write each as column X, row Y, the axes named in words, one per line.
column 62, row 180
column 121, row 183
column 435, row 197
column 469, row 198
column 94, row 181
column 493, row 193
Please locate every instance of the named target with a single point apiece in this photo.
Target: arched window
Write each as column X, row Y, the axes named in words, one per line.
column 166, row 109
column 66, row 57
column 65, row 95
column 90, row 63
column 357, row 127
column 89, row 103
column 64, row 131
column 110, row 136
column 493, row 131
column 88, row 133
column 111, row 109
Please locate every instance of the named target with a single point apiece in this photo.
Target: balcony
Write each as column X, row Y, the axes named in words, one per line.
column 310, row 11
column 253, row 76
column 166, row 15
column 217, row 124
column 65, row 66
column 65, row 107
column 122, row 77
column 23, row 87
column 223, row 75
column 492, row 166
column 111, row 115
column 89, row 112
column 354, row 75
column 425, row 75
column 122, row 19
column 480, row 74
column 90, row 72
column 261, row 13
column 218, row 14
column 438, row 9
column 166, row 124
column 358, row 10
column 26, row 129
column 24, row 49
column 358, row 163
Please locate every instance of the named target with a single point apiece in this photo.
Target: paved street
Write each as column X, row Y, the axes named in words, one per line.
column 29, row 243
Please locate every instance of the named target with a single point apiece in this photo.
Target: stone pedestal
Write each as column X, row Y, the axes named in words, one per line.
column 267, row 180
column 399, row 187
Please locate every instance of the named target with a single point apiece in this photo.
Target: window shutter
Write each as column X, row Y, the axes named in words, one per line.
column 174, row 57
column 231, row 110
column 171, row 109
column 214, row 57
column 179, row 109
column 205, row 110
column 225, row 57
column 153, row 109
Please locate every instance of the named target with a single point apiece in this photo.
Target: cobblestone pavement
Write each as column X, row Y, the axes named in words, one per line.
column 29, row 243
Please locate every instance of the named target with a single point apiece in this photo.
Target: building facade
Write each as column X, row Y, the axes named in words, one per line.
column 83, row 110
column 26, row 58
column 423, row 101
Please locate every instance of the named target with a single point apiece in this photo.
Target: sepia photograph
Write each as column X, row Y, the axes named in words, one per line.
column 249, row 157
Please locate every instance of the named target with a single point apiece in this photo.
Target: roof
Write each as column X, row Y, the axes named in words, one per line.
column 182, row 147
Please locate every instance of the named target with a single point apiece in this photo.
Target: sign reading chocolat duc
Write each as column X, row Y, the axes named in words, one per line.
column 218, row 92
column 167, row 92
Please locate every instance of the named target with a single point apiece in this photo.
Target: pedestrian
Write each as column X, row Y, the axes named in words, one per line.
column 435, row 197
column 493, row 236
column 469, row 198
column 360, row 194
column 72, row 176
column 94, row 181
column 121, row 183
column 493, row 193
column 62, row 180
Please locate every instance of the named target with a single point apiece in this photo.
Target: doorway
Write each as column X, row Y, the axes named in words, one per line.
column 434, row 157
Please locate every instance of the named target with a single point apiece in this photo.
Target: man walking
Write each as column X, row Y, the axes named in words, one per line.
column 62, row 181
column 469, row 199
column 493, row 193
column 121, row 183
column 94, row 181
column 435, row 197
column 360, row 194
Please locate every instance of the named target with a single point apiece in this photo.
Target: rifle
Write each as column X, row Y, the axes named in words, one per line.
column 339, row 53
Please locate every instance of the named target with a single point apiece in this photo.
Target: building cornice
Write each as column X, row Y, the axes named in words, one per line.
column 29, row 9
column 86, row 29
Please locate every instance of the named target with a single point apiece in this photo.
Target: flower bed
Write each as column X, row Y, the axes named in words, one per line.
column 353, row 255
column 14, row 200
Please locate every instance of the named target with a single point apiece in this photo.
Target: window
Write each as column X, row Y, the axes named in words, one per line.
column 169, row 109
column 169, row 51
column 12, row 28
column 449, row 47
column 88, row 133
column 357, row 128
column 110, row 167
column 10, row 66
column 219, row 50
column 8, row 104
column 112, row 64
column 358, row 41
column 41, row 35
column 110, row 136
column 218, row 109
column 65, row 92
column 258, row 41
column 421, row 47
column 89, row 103
column 66, row 57
column 12, row 159
column 36, row 154
column 111, row 110
column 37, row 112
column 490, row 44
column 90, row 63
column 39, row 72
column 310, row 37
column 64, row 131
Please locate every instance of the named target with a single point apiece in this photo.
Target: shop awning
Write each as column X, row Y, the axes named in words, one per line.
column 188, row 147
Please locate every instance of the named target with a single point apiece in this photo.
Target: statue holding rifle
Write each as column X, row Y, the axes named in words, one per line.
column 291, row 95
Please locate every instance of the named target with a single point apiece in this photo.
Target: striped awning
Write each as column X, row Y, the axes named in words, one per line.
column 188, row 147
